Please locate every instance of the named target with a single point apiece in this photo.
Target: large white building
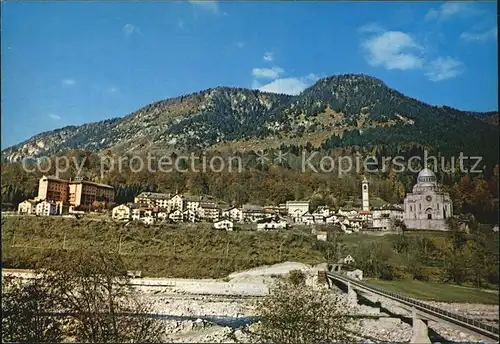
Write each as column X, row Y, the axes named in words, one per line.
column 427, row 207
column 297, row 209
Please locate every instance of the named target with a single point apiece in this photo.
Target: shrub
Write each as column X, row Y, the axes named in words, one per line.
column 295, row 314
column 297, row 277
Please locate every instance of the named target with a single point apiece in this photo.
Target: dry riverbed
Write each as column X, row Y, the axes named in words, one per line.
column 221, row 311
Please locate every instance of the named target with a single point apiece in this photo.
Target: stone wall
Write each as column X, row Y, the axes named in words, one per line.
column 437, row 225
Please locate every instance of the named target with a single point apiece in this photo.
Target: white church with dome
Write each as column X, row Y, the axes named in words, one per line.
column 427, row 207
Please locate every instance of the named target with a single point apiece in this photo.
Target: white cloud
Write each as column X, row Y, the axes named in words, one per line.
column 54, row 116
column 292, row 86
column 451, row 9
column 444, row 68
column 130, row 29
column 393, row 50
column 268, row 56
column 479, row 36
column 396, row 50
column 370, row 28
column 68, row 82
column 267, row 73
column 210, row 6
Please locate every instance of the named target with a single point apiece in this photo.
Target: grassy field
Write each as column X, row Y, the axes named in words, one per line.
column 196, row 251
column 437, row 292
column 164, row 251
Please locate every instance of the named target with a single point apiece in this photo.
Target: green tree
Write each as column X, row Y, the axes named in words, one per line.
column 93, row 288
column 293, row 313
column 297, row 277
column 24, row 308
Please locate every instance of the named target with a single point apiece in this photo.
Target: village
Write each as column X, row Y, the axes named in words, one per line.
column 426, row 208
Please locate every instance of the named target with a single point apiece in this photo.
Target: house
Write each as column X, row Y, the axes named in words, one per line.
column 253, row 215
column 322, row 210
column 495, row 229
column 235, row 214
column 282, row 208
column 45, row 208
column 148, row 220
column 209, row 211
column 347, row 260
column 296, row 215
column 318, row 218
column 301, row 206
column 151, row 199
column 356, row 224
column 348, row 212
column 192, row 203
column 123, row 212
column 27, row 207
column 176, row 216
column 270, row 224
column 175, row 203
column 162, row 214
column 223, row 224
column 365, row 215
column 382, row 224
column 333, row 219
column 323, row 236
column 307, row 218
column 189, row 215
column 385, row 217
column 138, row 212
column 270, row 213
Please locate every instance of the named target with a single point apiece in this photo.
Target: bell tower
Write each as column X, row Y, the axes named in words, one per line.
column 365, row 195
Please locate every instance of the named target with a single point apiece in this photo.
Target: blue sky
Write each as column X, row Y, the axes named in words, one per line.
column 73, row 63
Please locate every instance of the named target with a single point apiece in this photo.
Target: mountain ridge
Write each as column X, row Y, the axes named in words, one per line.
column 334, row 106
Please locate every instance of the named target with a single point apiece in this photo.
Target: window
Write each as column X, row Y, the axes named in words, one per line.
column 429, row 216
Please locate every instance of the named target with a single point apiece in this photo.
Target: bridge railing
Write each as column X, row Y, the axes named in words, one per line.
column 419, row 304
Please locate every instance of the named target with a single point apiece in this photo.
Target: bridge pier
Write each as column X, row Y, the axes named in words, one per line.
column 352, row 297
column 420, row 334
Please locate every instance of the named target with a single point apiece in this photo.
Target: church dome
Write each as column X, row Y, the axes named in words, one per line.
column 426, row 172
column 426, row 176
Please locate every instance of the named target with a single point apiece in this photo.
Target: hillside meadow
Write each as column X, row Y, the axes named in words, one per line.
column 197, row 251
column 159, row 251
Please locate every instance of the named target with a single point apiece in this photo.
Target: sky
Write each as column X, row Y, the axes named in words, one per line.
column 78, row 62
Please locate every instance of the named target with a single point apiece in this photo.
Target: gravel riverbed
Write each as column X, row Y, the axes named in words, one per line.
column 220, row 311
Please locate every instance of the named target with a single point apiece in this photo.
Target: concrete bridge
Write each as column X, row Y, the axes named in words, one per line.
column 420, row 312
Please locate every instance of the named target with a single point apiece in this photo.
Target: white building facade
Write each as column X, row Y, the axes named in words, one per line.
column 46, row 208
column 297, row 207
column 427, row 207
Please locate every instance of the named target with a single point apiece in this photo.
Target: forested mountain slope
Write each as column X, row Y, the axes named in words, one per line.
column 337, row 111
